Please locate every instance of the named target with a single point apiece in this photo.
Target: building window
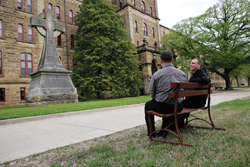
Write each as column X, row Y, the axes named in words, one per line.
column 30, row 34
column 19, row 4
column 1, row 28
column 2, row 94
column 1, row 63
column 72, row 41
column 20, row 32
column 137, row 43
column 60, row 58
column 71, row 16
column 163, row 31
column 59, row 40
column 29, row 6
column 22, row 94
column 120, row 4
column 26, row 64
column 136, row 27
column 58, row 15
column 142, row 6
column 50, row 6
column 153, row 32
column 151, row 11
column 145, row 29
column 134, row 3
column 0, row 1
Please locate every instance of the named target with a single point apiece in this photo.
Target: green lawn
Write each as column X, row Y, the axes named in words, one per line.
column 230, row 148
column 131, row 147
column 22, row 111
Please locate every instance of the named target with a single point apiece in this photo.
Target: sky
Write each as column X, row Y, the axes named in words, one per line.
column 172, row 11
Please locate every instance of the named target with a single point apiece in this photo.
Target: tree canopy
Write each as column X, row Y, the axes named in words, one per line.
column 220, row 37
column 106, row 63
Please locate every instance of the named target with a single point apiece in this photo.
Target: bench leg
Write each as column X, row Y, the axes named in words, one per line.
column 210, row 123
column 176, row 135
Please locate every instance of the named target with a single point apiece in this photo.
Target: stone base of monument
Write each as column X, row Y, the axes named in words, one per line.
column 51, row 87
column 51, row 100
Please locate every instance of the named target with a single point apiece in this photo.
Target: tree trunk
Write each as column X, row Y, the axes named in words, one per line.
column 237, row 81
column 248, row 79
column 227, row 79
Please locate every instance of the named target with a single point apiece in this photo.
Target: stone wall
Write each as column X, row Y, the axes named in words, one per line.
column 11, row 48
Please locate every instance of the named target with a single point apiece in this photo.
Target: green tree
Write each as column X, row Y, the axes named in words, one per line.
column 220, row 37
column 246, row 73
column 236, row 74
column 106, row 59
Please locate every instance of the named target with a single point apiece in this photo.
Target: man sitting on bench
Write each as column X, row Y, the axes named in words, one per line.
column 200, row 76
column 159, row 87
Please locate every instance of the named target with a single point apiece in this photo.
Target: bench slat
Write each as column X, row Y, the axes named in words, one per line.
column 189, row 93
column 189, row 85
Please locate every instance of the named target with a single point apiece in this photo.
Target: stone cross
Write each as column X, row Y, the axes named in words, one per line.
column 49, row 27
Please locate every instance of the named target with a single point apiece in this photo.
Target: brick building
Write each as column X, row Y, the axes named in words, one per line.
column 21, row 45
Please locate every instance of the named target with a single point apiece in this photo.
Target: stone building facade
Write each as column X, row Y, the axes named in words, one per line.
column 21, row 45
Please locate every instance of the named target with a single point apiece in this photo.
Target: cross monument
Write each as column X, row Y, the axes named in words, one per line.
column 51, row 82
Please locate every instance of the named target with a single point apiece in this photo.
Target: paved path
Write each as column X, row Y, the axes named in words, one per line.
column 23, row 137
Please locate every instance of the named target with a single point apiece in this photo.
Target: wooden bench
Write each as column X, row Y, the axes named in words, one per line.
column 184, row 92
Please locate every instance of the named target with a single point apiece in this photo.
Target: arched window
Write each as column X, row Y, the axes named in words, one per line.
column 26, row 64
column 120, row 4
column 50, row 6
column 29, row 5
column 136, row 27
column 59, row 40
column 151, row 11
column 143, row 6
column 58, row 14
column 30, row 34
column 153, row 32
column 134, row 3
column 145, row 29
column 1, row 28
column 19, row 4
column 20, row 31
column 71, row 16
column 137, row 43
column 72, row 42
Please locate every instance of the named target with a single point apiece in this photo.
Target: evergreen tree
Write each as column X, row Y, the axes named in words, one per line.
column 106, row 62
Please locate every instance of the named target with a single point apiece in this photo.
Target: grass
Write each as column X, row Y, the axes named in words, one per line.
column 19, row 111
column 230, row 148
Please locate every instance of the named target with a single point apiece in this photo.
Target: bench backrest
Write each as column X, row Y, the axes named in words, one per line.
column 189, row 85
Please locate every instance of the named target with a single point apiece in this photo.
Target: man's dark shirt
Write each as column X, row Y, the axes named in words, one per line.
column 201, row 77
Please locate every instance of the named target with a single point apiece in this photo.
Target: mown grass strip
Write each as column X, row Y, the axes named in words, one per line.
column 20, row 111
column 132, row 147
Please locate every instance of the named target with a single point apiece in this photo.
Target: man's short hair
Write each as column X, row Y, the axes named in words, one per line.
column 167, row 56
column 200, row 62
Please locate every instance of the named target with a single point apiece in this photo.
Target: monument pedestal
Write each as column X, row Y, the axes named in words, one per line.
column 51, row 87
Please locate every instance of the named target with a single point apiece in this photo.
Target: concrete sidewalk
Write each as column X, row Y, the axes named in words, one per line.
column 27, row 136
